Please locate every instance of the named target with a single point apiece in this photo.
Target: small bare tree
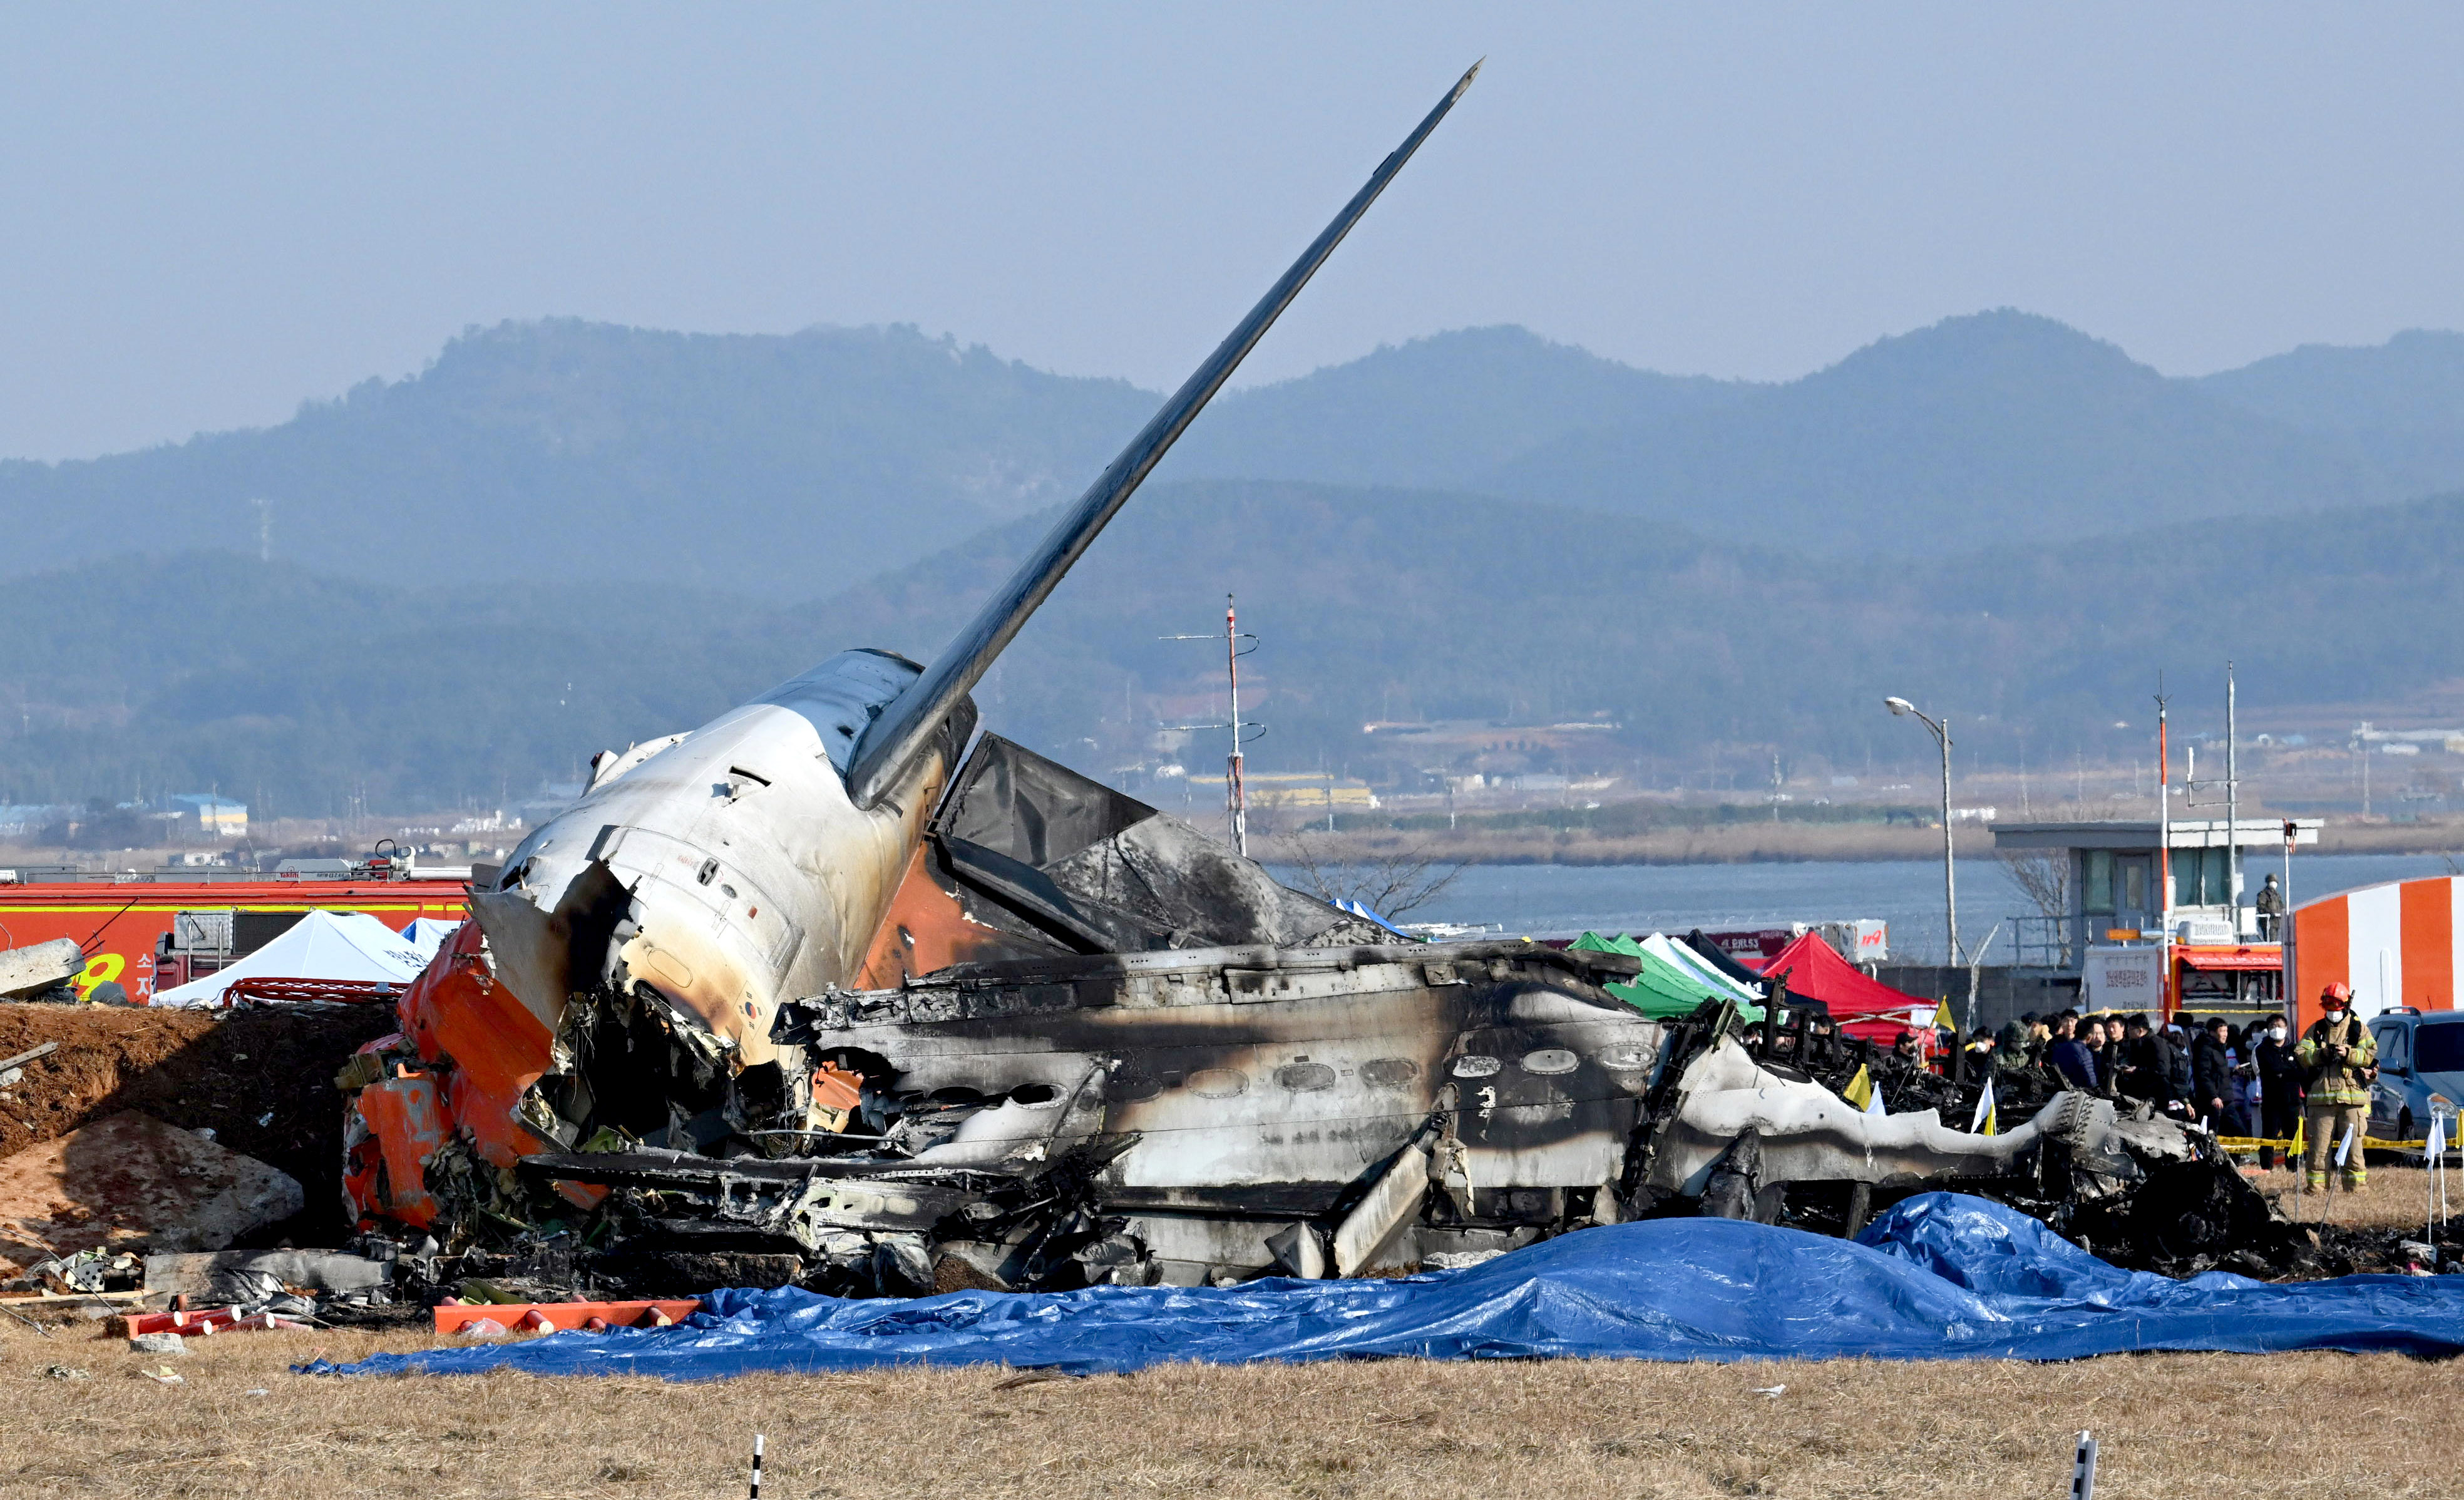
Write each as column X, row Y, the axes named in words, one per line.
column 2043, row 876
column 1389, row 882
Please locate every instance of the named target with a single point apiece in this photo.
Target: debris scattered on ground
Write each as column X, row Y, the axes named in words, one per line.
column 93, row 1270
column 158, row 1344
column 284, row 1312
column 2343, row 1250
column 260, row 1275
column 62, row 1372
column 12, row 1069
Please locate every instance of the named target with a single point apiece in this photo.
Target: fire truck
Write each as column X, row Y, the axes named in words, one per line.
column 150, row 931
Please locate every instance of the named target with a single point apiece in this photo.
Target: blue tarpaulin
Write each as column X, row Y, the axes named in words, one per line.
column 1938, row 1277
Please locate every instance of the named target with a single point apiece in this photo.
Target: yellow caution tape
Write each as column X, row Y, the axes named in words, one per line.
column 2368, row 1143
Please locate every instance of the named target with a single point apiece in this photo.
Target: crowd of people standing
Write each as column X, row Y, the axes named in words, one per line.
column 2252, row 1080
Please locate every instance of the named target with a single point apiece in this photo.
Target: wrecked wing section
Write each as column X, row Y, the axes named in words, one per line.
column 1807, row 1132
column 1748, row 1136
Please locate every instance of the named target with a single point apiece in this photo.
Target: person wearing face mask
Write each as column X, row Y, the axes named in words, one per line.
column 2280, row 1088
column 2339, row 1061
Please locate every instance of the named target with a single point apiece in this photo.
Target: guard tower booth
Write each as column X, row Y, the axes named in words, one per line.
column 2132, row 949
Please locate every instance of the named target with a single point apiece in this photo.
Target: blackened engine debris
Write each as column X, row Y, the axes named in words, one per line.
column 1095, row 1048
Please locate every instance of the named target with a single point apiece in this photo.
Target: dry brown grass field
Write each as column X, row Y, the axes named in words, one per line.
column 2303, row 1427
column 2397, row 1198
column 2328, row 1426
column 2311, row 1426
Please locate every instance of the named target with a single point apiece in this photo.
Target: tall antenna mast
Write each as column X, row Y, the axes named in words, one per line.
column 2164, row 816
column 264, row 529
column 1238, row 791
column 1235, row 792
column 2232, row 806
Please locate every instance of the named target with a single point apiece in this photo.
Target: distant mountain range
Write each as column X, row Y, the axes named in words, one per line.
column 729, row 469
column 1996, row 427
column 2412, row 384
column 282, row 687
column 534, row 453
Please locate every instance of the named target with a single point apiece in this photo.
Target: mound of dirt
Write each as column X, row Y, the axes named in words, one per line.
column 261, row 1080
column 130, row 1180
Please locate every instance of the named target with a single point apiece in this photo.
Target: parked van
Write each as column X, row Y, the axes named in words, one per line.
column 2421, row 1071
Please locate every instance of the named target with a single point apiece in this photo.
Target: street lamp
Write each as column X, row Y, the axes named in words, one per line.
column 1941, row 728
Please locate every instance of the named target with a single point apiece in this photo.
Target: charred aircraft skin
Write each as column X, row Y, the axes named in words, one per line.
column 1168, row 1109
column 727, row 868
column 1214, row 1112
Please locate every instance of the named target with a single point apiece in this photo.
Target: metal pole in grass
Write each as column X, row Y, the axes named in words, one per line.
column 2327, row 1196
column 2300, row 1148
column 756, row 1466
column 2436, row 1184
column 2449, row 1121
column 2083, row 1470
column 2430, row 1187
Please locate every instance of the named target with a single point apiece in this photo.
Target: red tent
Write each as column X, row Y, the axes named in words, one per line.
column 1865, row 1007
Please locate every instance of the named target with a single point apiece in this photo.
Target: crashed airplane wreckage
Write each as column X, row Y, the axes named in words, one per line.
column 1090, row 1045
column 799, row 997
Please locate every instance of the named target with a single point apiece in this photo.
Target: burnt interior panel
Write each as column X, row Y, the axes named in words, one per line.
column 1100, row 872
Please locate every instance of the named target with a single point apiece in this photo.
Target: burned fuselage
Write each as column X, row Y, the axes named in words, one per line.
column 1191, row 1114
column 1040, row 1036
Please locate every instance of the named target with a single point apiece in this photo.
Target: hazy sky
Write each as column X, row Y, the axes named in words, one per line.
column 209, row 213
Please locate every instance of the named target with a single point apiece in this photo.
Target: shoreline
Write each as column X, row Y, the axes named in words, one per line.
column 1481, row 842
column 1761, row 844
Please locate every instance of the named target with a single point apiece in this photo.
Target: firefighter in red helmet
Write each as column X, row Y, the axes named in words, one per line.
column 2340, row 1062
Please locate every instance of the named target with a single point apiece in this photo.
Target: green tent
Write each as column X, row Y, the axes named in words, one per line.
column 1663, row 989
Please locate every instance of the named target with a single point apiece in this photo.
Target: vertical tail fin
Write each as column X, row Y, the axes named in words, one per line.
column 903, row 728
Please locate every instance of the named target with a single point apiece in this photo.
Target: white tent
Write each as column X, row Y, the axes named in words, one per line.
column 428, row 933
column 321, row 945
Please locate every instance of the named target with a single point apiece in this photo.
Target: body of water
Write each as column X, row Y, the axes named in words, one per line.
column 1547, row 900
